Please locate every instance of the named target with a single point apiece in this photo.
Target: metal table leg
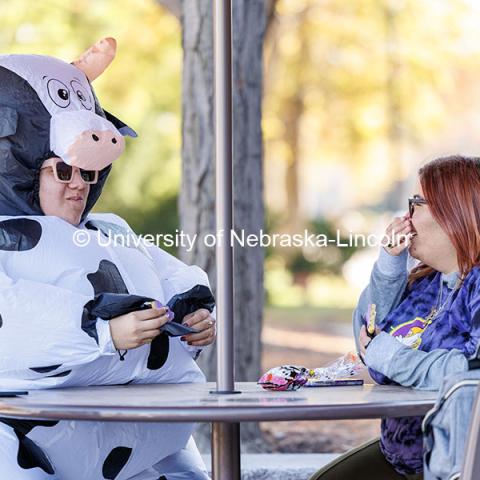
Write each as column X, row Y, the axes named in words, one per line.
column 225, row 451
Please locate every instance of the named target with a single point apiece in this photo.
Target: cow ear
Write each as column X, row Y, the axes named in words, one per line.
column 94, row 61
column 8, row 121
column 123, row 128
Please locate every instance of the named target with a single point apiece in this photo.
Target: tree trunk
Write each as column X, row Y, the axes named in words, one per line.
column 197, row 194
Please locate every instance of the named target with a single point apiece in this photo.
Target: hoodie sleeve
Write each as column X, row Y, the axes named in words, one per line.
column 44, row 327
column 394, row 362
column 426, row 370
column 388, row 281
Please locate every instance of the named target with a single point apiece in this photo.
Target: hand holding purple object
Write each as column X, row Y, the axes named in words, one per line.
column 157, row 305
column 137, row 328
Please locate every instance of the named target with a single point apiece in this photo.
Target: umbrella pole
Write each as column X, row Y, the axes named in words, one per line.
column 224, row 202
column 225, row 436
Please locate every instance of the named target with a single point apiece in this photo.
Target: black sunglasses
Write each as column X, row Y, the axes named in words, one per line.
column 415, row 200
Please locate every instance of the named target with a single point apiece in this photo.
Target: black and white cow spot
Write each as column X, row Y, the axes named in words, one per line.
column 19, row 234
column 48, row 369
column 61, row 374
column 90, row 226
column 115, row 461
column 51, row 369
column 29, row 454
column 182, row 304
column 26, row 426
column 107, row 279
column 1, row 321
column 159, row 349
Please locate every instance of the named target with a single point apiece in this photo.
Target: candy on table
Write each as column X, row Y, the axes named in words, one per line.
column 345, row 366
column 286, row 377
column 290, row 377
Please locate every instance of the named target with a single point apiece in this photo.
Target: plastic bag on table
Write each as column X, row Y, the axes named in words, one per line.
column 291, row 377
column 345, row 366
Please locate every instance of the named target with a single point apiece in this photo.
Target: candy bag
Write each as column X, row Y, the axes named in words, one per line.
column 291, row 377
column 286, row 377
column 343, row 367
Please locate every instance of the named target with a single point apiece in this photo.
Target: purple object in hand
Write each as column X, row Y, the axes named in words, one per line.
column 157, row 305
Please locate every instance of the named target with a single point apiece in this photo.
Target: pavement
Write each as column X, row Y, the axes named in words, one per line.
column 280, row 466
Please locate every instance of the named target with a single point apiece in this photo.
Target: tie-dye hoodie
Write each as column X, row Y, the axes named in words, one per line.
column 412, row 353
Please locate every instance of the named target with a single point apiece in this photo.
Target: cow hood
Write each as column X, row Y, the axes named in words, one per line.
column 33, row 125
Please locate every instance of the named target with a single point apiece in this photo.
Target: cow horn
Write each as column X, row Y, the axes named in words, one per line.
column 94, row 61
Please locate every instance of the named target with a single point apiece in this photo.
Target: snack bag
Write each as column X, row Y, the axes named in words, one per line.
column 286, row 377
column 344, row 367
column 291, row 377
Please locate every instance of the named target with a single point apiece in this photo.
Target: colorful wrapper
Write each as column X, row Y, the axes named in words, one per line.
column 291, row 377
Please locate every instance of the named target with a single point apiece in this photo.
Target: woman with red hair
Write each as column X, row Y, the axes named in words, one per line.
column 428, row 319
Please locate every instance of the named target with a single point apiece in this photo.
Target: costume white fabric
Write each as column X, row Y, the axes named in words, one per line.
column 59, row 285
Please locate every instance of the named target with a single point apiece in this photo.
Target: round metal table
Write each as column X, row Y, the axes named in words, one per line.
column 195, row 403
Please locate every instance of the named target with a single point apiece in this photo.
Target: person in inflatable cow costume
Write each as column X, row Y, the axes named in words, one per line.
column 76, row 310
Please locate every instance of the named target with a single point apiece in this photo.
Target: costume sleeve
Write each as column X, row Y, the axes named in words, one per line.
column 44, row 327
column 186, row 288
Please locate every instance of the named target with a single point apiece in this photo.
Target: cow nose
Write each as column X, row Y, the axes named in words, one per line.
column 96, row 138
column 84, row 139
column 95, row 149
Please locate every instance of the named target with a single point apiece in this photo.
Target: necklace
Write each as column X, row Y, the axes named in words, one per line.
column 439, row 306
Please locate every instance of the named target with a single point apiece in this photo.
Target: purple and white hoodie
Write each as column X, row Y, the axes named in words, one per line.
column 412, row 352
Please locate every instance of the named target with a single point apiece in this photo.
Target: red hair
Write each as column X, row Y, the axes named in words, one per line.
column 451, row 186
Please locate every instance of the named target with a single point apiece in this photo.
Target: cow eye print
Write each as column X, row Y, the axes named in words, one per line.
column 82, row 95
column 58, row 92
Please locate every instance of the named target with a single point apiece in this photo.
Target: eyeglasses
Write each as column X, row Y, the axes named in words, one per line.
column 415, row 200
column 63, row 172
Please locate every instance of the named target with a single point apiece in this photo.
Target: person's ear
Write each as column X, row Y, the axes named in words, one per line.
column 8, row 121
column 122, row 127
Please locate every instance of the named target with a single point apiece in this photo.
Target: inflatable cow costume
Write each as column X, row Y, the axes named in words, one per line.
column 60, row 285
